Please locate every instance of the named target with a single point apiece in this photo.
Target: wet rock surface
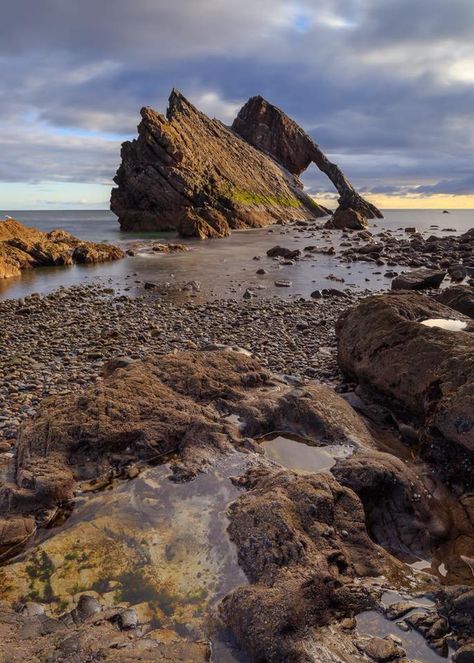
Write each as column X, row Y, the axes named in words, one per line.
column 23, row 248
column 302, row 541
column 418, row 279
column 432, row 252
column 117, row 560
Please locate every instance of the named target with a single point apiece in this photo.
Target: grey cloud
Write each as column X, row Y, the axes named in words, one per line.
column 370, row 81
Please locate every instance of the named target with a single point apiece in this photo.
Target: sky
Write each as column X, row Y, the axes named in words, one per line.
column 385, row 87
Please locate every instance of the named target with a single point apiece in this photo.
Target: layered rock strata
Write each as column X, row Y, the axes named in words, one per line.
column 267, row 127
column 189, row 173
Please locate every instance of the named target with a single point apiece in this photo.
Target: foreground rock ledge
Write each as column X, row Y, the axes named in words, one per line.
column 189, row 173
column 23, row 248
column 309, row 543
column 422, row 372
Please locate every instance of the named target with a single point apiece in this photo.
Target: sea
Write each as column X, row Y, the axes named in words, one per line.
column 224, row 267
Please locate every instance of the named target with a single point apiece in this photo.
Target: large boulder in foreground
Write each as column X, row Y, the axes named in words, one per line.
column 302, row 541
column 189, row 173
column 22, row 248
column 425, row 371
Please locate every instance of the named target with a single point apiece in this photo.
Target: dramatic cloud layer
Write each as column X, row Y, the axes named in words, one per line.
column 385, row 86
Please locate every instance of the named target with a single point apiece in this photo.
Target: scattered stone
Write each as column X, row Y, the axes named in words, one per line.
column 457, row 272
column 381, row 649
column 193, row 286
column 282, row 252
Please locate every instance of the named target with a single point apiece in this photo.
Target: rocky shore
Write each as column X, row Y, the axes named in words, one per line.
column 141, row 516
column 57, row 343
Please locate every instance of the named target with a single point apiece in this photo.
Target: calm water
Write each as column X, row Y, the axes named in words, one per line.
column 225, row 267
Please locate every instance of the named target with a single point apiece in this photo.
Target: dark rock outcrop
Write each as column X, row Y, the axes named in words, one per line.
column 22, row 248
column 302, row 542
column 419, row 279
column 189, row 173
column 458, row 297
column 349, row 219
column 267, row 127
column 400, row 513
column 426, row 372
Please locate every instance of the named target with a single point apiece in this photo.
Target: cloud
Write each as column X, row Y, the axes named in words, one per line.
column 386, row 88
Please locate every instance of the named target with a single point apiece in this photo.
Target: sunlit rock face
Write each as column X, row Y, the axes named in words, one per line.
column 23, row 248
column 267, row 127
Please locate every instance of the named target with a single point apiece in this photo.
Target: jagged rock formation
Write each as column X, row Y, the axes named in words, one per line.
column 271, row 130
column 22, row 248
column 190, row 173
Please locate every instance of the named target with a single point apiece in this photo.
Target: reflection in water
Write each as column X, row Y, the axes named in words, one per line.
column 374, row 623
column 149, row 543
column 299, row 454
column 225, row 267
column 444, row 323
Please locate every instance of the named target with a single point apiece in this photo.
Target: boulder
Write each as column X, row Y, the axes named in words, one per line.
column 419, row 279
column 458, row 297
column 457, row 272
column 23, row 248
column 282, row 252
column 381, row 650
column 348, row 219
column 302, row 541
column 420, row 371
column 189, row 173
